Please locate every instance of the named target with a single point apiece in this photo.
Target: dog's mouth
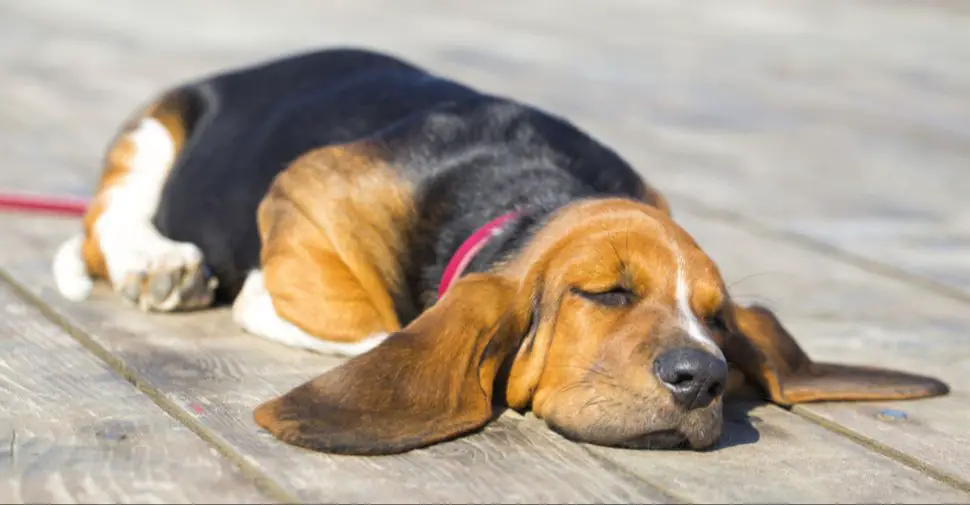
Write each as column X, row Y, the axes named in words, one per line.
column 656, row 429
column 657, row 440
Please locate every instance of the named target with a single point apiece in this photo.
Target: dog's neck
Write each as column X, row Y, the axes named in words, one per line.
column 463, row 205
column 470, row 248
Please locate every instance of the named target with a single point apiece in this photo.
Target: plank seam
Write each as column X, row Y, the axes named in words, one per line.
column 883, row 449
column 615, row 467
column 263, row 482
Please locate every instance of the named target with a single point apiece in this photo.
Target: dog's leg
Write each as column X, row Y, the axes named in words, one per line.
column 120, row 243
column 331, row 228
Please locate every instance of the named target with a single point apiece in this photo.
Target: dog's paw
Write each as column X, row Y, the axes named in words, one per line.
column 161, row 275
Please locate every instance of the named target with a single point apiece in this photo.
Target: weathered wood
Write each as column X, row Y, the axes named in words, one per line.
column 206, row 367
column 843, row 121
column 72, row 430
column 789, row 462
column 215, row 374
column 841, row 313
column 930, row 435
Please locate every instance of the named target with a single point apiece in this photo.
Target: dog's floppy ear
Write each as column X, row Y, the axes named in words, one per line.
column 430, row 382
column 761, row 348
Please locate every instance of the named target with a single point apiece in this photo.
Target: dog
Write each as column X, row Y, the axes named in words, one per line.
column 470, row 253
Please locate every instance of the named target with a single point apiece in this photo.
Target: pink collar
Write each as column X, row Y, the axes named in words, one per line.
column 469, row 248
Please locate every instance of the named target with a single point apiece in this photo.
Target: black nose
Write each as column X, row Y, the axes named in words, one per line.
column 695, row 377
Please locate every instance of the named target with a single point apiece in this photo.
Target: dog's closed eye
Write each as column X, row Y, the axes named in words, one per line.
column 717, row 322
column 613, row 297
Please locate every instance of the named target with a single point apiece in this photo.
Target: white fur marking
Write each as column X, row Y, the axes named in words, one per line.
column 132, row 246
column 128, row 240
column 685, row 314
column 253, row 310
column 70, row 273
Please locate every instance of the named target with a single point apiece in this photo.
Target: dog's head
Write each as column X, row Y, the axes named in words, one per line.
column 612, row 325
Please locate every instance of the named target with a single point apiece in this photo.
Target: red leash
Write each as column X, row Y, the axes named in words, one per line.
column 62, row 206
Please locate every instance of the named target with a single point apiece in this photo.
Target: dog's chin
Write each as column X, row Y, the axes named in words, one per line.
column 672, row 439
column 665, row 429
column 686, row 437
column 657, row 441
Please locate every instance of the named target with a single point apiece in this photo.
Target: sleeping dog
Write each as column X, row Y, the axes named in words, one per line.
column 470, row 252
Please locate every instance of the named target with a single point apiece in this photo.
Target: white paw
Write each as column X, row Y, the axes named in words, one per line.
column 158, row 274
column 70, row 273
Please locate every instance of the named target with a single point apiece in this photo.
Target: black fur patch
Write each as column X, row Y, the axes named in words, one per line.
column 471, row 156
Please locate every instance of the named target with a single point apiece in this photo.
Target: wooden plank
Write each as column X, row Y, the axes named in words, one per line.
column 841, row 313
column 745, row 107
column 781, row 460
column 930, row 435
column 215, row 374
column 72, row 430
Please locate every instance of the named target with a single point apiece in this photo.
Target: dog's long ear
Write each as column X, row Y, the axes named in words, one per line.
column 430, row 382
column 761, row 348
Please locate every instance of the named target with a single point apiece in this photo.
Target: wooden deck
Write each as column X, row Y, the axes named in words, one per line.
column 820, row 151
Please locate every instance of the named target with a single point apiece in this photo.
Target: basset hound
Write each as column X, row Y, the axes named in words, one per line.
column 470, row 252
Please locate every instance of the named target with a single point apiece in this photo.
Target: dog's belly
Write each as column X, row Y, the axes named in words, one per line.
column 255, row 122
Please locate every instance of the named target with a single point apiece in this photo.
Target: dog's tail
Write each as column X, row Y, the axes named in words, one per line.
column 70, row 271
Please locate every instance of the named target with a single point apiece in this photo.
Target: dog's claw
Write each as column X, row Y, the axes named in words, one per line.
column 130, row 287
column 161, row 286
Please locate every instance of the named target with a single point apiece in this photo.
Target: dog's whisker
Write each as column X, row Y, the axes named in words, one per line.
column 754, row 298
column 748, row 277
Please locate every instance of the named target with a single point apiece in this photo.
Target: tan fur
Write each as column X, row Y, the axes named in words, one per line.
column 769, row 356
column 655, row 198
column 430, row 383
column 332, row 228
column 583, row 367
column 596, row 246
column 559, row 369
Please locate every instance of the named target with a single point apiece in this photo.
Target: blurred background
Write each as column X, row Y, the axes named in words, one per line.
column 844, row 122
column 818, row 150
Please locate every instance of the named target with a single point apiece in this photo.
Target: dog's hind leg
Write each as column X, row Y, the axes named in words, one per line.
column 120, row 243
column 332, row 228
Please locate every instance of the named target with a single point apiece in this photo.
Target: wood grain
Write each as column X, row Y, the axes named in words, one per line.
column 215, row 374
column 791, row 462
column 841, row 313
column 72, row 430
column 204, row 366
column 842, row 122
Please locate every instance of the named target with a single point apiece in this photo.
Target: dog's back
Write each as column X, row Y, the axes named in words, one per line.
column 248, row 125
column 251, row 123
